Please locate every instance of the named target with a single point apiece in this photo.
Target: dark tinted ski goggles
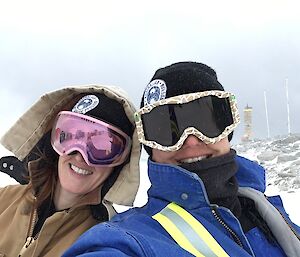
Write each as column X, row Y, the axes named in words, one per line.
column 99, row 143
column 209, row 115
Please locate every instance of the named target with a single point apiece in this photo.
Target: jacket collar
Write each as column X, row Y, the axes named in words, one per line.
column 250, row 174
column 175, row 184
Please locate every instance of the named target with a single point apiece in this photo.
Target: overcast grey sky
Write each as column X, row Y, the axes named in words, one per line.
column 252, row 45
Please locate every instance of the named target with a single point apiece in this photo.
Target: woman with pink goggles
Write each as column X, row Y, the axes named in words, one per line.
column 80, row 149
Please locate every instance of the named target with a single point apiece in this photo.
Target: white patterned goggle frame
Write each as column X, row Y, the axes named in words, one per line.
column 181, row 99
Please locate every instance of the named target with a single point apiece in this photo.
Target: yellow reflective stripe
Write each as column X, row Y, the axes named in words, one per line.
column 199, row 229
column 176, row 234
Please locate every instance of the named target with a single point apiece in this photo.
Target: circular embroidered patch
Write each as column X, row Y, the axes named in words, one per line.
column 86, row 104
column 156, row 90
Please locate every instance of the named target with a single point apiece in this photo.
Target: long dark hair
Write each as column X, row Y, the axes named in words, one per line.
column 42, row 164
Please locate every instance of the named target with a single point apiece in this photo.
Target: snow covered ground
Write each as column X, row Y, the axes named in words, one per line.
column 279, row 156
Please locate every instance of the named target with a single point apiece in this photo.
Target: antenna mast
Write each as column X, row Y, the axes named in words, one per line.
column 287, row 106
column 267, row 117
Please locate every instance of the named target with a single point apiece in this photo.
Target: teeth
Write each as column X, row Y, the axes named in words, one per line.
column 80, row 171
column 195, row 159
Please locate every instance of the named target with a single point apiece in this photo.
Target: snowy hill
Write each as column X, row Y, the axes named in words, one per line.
column 280, row 157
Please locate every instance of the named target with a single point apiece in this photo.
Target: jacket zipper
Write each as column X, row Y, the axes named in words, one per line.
column 231, row 232
column 30, row 239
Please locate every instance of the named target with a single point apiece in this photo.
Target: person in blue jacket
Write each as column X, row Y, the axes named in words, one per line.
column 204, row 199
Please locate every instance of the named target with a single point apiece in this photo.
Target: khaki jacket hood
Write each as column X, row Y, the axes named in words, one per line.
column 21, row 138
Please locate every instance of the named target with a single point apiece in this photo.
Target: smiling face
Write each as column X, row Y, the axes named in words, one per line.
column 191, row 151
column 76, row 178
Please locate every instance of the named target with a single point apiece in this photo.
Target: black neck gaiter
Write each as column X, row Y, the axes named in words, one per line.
column 218, row 176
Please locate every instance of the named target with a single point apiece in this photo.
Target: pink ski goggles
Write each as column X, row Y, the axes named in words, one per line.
column 99, row 143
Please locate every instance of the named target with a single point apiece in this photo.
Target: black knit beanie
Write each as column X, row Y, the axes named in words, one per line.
column 101, row 107
column 179, row 79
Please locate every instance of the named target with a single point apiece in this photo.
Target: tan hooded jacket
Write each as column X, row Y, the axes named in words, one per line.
column 17, row 214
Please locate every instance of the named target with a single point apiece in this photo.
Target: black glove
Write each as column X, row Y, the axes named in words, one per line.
column 15, row 168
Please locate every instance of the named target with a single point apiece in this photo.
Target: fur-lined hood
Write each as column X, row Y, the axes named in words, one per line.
column 37, row 120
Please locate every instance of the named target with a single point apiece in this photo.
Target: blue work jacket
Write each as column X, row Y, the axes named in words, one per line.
column 136, row 233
